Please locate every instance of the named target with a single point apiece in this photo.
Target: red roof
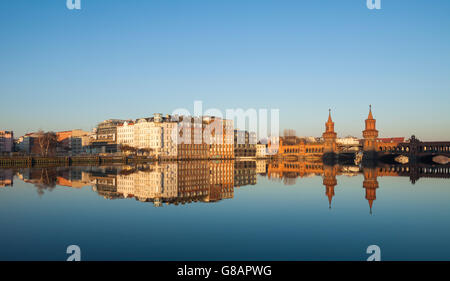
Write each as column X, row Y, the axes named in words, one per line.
column 396, row 140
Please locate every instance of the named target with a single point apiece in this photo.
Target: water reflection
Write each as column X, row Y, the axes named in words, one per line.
column 207, row 181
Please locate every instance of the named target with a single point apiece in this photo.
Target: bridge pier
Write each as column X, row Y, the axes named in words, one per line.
column 370, row 156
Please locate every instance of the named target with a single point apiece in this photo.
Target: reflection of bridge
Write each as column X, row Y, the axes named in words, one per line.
column 415, row 172
column 289, row 171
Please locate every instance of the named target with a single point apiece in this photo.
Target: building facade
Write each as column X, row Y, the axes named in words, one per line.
column 244, row 143
column 6, row 142
column 105, row 138
column 261, row 150
column 218, row 134
column 70, row 142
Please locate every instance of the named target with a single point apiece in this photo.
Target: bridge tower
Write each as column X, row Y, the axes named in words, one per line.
column 370, row 184
column 329, row 137
column 329, row 181
column 370, row 135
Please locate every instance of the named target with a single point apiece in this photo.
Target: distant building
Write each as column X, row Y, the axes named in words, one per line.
column 191, row 144
column 105, row 138
column 70, row 142
column 348, row 141
column 261, row 151
column 26, row 144
column 125, row 134
column 154, row 133
column 244, row 143
column 298, row 147
column 6, row 141
column 179, row 137
column 218, row 135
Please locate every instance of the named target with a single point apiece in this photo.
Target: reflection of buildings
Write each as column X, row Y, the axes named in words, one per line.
column 105, row 182
column 75, row 177
column 329, row 181
column 290, row 171
column 193, row 181
column 244, row 173
column 221, row 180
column 169, row 182
column 6, row 177
column 208, row 181
column 156, row 183
column 370, row 184
column 261, row 166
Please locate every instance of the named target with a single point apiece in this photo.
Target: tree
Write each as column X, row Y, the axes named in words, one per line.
column 147, row 151
column 46, row 143
column 127, row 148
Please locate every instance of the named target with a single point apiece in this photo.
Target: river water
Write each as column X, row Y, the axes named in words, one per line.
column 224, row 210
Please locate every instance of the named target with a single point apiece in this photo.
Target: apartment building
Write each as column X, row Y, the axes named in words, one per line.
column 261, row 150
column 105, row 137
column 218, row 133
column 190, row 138
column 179, row 137
column 6, row 141
column 71, row 142
column 244, row 143
column 156, row 133
column 125, row 134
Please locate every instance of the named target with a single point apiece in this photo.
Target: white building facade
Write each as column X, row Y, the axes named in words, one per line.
column 261, row 151
column 154, row 133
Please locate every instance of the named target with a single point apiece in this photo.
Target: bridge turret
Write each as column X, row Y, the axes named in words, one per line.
column 329, row 136
column 370, row 133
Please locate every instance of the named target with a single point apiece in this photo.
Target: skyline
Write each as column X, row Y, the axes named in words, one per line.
column 66, row 69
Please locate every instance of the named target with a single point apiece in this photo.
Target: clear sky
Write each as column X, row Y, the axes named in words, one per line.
column 63, row 69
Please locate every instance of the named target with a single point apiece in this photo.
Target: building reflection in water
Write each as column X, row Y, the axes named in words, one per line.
column 207, row 181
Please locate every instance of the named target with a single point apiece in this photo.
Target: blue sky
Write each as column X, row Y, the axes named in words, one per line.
column 62, row 69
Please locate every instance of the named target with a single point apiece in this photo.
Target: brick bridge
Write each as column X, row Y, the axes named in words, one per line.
column 416, row 149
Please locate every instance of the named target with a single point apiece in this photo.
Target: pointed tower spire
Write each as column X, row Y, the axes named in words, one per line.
column 370, row 113
column 329, row 116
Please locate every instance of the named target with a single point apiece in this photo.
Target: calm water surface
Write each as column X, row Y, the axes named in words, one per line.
column 223, row 210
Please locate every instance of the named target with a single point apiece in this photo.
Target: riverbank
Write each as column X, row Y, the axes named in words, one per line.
column 37, row 161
